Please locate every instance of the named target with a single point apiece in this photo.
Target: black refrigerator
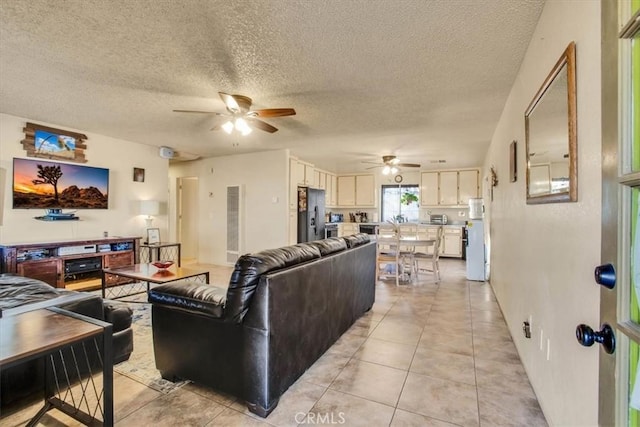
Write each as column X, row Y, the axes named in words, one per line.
column 310, row 214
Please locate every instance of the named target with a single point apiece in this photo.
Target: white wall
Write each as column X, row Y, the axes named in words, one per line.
column 119, row 156
column 542, row 256
column 264, row 178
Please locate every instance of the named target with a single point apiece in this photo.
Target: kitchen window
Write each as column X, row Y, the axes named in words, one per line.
column 400, row 203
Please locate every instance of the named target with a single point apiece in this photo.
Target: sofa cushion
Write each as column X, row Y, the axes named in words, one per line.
column 195, row 297
column 118, row 314
column 329, row 246
column 248, row 269
column 17, row 290
column 357, row 240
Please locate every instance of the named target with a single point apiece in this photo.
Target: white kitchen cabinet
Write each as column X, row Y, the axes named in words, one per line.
column 296, row 172
column 468, row 185
column 330, row 190
column 452, row 242
column 365, row 190
column 309, row 176
column 347, row 228
column 320, row 179
column 334, row 190
column 448, row 188
column 347, row 190
column 356, row 191
column 429, row 189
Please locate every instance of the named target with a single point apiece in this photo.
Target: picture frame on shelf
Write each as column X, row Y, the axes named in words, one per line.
column 153, row 236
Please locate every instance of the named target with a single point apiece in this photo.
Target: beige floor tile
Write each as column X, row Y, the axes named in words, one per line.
column 211, row 394
column 398, row 331
column 326, row 369
column 505, row 409
column 232, row 418
column 371, row 381
column 179, row 408
column 503, row 377
column 386, row 353
column 336, row 408
column 458, row 344
column 444, row 400
column 448, row 366
column 347, row 344
column 409, row 419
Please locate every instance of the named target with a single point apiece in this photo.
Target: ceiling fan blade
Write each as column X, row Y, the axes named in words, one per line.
column 275, row 112
column 230, row 102
column 259, row 124
column 201, row 112
column 374, row 167
column 407, row 165
column 372, row 163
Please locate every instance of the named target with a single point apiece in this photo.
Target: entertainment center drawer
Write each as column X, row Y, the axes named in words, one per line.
column 118, row 260
column 45, row 270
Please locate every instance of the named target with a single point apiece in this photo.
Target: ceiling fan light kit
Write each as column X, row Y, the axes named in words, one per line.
column 391, row 165
column 241, row 117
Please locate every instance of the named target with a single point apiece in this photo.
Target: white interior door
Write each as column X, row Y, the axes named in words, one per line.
column 188, row 217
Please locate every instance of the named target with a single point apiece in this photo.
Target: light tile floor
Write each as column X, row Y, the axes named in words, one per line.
column 425, row 355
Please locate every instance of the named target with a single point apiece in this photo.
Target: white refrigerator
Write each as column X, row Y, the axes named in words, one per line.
column 476, row 258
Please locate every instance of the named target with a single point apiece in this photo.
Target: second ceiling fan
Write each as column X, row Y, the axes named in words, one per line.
column 241, row 117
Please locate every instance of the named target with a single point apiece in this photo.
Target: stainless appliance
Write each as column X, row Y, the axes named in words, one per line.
column 368, row 228
column 330, row 230
column 310, row 214
column 476, row 257
column 440, row 219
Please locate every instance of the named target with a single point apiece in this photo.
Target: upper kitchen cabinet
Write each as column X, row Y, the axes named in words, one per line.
column 429, row 189
column 365, row 190
column 356, row 191
column 449, row 188
column 301, row 173
column 346, row 190
column 468, row 185
column 331, row 190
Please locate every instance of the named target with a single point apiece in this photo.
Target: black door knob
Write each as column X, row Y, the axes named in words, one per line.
column 605, row 275
column 587, row 336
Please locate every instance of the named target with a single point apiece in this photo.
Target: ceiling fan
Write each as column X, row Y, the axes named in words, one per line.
column 391, row 165
column 241, row 117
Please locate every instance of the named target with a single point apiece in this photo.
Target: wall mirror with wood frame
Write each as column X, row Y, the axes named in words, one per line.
column 551, row 138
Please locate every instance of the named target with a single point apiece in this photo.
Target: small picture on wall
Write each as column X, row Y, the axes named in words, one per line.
column 138, row 174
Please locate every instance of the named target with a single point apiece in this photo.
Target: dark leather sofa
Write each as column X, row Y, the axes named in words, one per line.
column 21, row 294
column 282, row 310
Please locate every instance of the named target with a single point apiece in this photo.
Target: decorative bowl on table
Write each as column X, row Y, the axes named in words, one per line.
column 162, row 264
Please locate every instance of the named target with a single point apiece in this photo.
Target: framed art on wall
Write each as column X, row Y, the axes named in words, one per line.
column 51, row 143
column 513, row 161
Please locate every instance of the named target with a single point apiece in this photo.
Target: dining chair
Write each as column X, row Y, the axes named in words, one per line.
column 387, row 252
column 407, row 234
column 427, row 250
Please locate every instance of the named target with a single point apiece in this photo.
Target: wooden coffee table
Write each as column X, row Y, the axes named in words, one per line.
column 148, row 273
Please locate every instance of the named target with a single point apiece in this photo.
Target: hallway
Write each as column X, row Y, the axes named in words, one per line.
column 426, row 355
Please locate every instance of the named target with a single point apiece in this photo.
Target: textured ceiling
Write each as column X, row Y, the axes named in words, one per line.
column 424, row 80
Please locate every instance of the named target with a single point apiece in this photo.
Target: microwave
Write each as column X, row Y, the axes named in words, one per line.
column 440, row 219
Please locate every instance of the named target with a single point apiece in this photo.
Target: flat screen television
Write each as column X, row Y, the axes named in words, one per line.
column 39, row 184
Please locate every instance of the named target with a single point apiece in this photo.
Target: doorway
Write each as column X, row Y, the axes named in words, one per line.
column 187, row 216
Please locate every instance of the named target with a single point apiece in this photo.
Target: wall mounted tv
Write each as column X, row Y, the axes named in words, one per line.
column 39, row 184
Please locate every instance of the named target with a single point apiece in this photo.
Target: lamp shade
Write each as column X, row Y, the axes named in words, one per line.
column 149, row 207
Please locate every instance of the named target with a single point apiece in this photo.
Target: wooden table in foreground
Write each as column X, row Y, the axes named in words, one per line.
column 53, row 334
column 148, row 274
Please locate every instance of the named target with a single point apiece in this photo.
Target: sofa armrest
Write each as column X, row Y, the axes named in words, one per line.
column 194, row 297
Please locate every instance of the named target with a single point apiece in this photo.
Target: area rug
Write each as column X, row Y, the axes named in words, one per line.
column 141, row 365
